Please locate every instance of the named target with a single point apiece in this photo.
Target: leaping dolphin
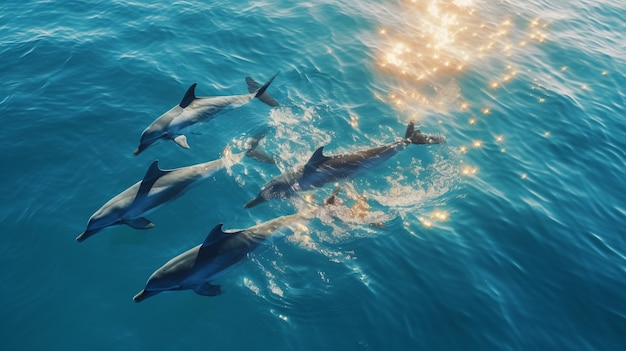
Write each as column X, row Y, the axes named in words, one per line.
column 198, row 267
column 321, row 169
column 193, row 109
column 157, row 188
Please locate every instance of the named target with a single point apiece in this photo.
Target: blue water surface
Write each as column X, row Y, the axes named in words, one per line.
column 508, row 237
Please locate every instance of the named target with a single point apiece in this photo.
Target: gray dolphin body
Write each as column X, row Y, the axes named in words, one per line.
column 197, row 267
column 157, row 188
column 321, row 169
column 193, row 109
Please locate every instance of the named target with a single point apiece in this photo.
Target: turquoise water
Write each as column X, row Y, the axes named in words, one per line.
column 508, row 237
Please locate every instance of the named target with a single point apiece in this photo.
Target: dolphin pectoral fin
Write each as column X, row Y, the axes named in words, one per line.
column 181, row 140
column 140, row 223
column 207, row 289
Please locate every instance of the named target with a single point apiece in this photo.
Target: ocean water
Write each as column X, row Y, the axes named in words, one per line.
column 508, row 237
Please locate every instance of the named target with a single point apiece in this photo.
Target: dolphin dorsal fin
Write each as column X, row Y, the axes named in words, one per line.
column 316, row 160
column 152, row 175
column 214, row 236
column 190, row 95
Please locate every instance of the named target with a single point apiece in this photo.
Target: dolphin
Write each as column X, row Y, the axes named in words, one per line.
column 193, row 109
column 196, row 268
column 157, row 188
column 321, row 169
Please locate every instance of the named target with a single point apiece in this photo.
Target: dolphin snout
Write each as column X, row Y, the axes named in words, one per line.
column 87, row 233
column 259, row 199
column 139, row 149
column 144, row 294
column 143, row 144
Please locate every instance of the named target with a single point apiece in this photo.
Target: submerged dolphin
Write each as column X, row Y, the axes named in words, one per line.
column 321, row 169
column 193, row 109
column 157, row 188
column 197, row 267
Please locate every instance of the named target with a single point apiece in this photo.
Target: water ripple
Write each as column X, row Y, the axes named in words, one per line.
column 506, row 237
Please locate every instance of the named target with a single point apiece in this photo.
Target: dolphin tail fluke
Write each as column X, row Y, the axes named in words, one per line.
column 260, row 91
column 417, row 137
column 253, row 151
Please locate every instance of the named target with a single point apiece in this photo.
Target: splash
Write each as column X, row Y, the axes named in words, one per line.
column 355, row 212
column 294, row 133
